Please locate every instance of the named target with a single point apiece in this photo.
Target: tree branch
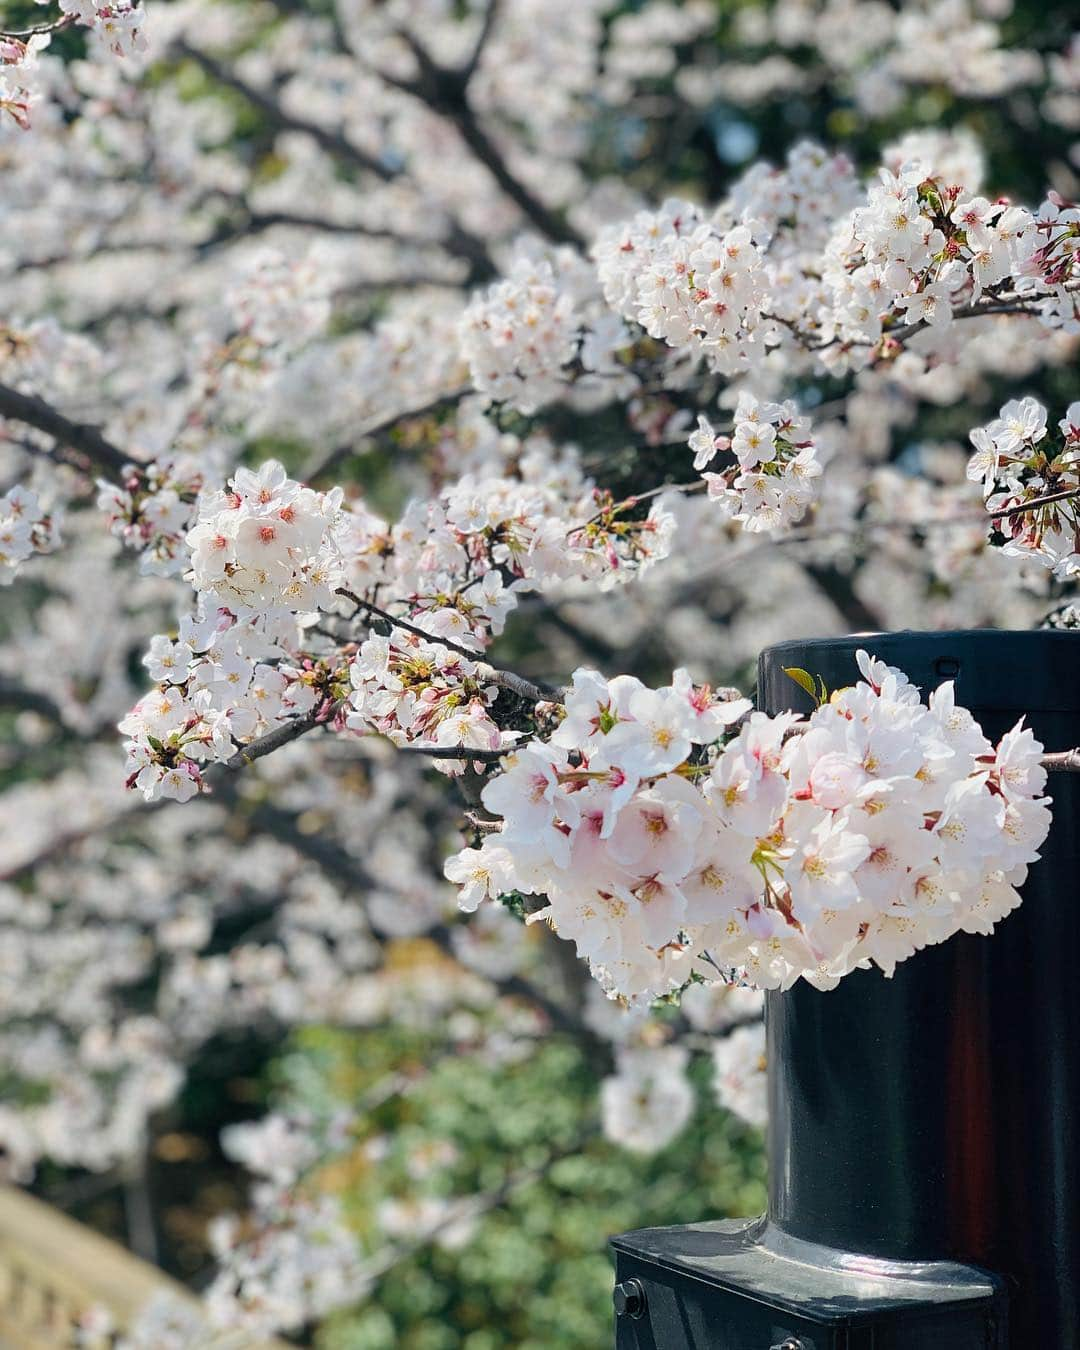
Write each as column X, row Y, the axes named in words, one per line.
column 1003, row 304
column 282, row 735
column 1064, row 495
column 446, row 92
column 78, row 436
column 487, row 27
column 455, row 752
column 331, row 141
column 1063, row 761
column 54, row 26
column 493, row 674
column 319, row 468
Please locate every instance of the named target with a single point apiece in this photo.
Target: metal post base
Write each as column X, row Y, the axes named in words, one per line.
column 745, row 1285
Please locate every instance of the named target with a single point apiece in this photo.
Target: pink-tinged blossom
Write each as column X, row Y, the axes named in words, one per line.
column 783, row 849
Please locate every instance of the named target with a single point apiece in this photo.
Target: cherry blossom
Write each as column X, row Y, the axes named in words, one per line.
column 409, row 397
column 786, row 849
column 1031, row 483
column 25, row 529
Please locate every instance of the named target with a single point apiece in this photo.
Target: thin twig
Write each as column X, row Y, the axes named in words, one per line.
column 322, row 466
column 1035, row 503
column 54, row 26
column 628, row 503
column 493, row 674
column 1003, row 304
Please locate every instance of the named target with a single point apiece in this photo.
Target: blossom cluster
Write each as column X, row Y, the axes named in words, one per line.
column 151, row 508
column 116, row 26
column 523, row 516
column 599, row 820
column 544, row 332
column 921, row 247
column 267, row 549
column 800, row 258
column 739, row 1065
column 772, row 482
column 874, row 53
column 686, row 281
column 267, row 543
column 1031, row 483
column 792, row 209
column 304, row 1260
column 26, row 528
column 43, row 354
column 276, row 304
column 411, row 689
column 521, row 519
column 459, row 564
column 794, row 849
column 220, row 684
column 519, row 336
column 648, row 1100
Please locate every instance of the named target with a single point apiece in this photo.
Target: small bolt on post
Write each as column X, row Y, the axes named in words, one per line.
column 629, row 1299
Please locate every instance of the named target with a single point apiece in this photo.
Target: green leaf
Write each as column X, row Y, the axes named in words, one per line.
column 804, row 680
column 815, row 687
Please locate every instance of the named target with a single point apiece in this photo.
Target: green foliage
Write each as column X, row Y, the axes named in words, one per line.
column 814, row 687
column 535, row 1272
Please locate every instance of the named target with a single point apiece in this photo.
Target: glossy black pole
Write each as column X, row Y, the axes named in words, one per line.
column 936, row 1115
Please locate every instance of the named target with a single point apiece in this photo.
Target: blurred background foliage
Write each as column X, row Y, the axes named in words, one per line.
column 534, row 1271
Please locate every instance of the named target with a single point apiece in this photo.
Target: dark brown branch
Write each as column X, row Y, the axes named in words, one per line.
column 1004, row 304
column 492, row 674
column 331, row 141
column 19, row 698
column 456, row 752
column 54, row 26
column 1064, row 495
column 446, row 92
column 457, row 241
column 257, row 222
column 487, row 27
column 82, row 437
column 283, row 735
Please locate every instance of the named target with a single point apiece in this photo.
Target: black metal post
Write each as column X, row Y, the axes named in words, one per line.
column 924, row 1130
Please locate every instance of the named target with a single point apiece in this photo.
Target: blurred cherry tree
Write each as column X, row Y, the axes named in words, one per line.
column 393, row 395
